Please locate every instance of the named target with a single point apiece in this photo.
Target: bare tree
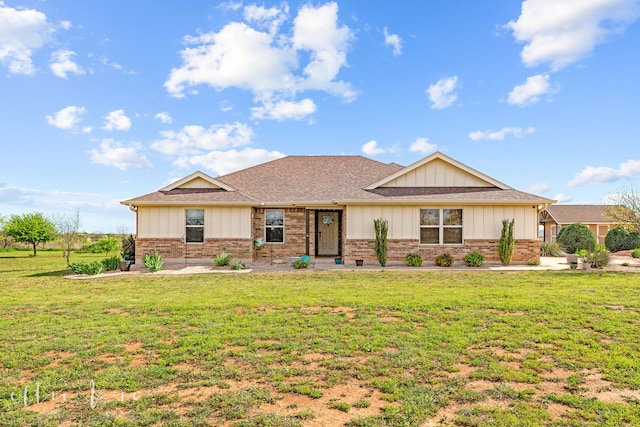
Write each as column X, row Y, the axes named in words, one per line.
column 68, row 227
column 625, row 209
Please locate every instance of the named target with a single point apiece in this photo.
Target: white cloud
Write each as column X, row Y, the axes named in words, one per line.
column 284, row 110
column 560, row 32
column 61, row 64
column 67, row 118
column 194, row 140
column 224, row 162
column 501, row 134
column 394, row 41
column 371, row 148
column 531, row 91
column 274, row 66
column 226, row 106
column 117, row 120
column 442, row 93
column 270, row 19
column 113, row 153
column 422, row 145
column 539, row 188
column 22, row 32
column 562, row 198
column 605, row 174
column 164, row 117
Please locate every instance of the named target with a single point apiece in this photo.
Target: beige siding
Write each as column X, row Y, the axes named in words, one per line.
column 198, row 183
column 169, row 222
column 479, row 222
column 437, row 173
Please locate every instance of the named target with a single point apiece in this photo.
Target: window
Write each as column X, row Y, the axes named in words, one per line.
column 274, row 226
column 194, row 226
column 441, row 226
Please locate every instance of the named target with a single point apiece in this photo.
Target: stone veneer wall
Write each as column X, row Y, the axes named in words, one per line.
column 525, row 250
column 176, row 248
column 295, row 225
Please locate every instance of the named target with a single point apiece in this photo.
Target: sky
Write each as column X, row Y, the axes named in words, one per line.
column 102, row 101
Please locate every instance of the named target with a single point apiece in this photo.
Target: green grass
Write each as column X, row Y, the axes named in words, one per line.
column 380, row 348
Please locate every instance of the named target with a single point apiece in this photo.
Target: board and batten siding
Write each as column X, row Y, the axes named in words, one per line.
column 437, row 173
column 219, row 222
column 478, row 222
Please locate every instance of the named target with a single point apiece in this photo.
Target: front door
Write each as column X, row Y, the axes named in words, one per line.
column 328, row 233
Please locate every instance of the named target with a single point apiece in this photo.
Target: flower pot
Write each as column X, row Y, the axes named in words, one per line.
column 125, row 265
column 359, row 262
column 586, row 265
column 573, row 261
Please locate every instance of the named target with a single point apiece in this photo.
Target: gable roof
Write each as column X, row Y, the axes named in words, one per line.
column 586, row 214
column 331, row 180
column 468, row 174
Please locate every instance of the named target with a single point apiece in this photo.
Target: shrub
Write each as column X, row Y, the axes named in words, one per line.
column 598, row 258
column 91, row 268
column 153, row 261
column 506, row 245
column 298, row 264
column 474, row 259
column 380, row 245
column 112, row 263
column 413, row 260
column 533, row 263
column 576, row 236
column 635, row 253
column 621, row 239
column 129, row 248
column 222, row 259
column 550, row 249
column 237, row 266
column 444, row 260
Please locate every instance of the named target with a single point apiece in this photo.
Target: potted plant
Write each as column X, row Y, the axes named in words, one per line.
column 127, row 253
column 572, row 260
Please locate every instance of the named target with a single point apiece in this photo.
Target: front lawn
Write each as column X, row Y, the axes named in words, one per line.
column 350, row 348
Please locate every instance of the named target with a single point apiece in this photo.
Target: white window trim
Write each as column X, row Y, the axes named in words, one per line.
column 441, row 227
column 274, row 226
column 194, row 226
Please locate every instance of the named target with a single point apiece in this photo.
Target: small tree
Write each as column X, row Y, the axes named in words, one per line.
column 32, row 228
column 108, row 244
column 576, row 236
column 3, row 234
column 506, row 246
column 380, row 246
column 68, row 227
column 625, row 209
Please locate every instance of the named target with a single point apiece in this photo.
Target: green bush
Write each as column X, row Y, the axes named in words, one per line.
column 413, row 260
column 222, row 259
column 112, row 263
column 239, row 265
column 506, row 245
column 444, row 260
column 298, row 264
column 576, row 236
column 91, row 268
column 635, row 253
column 153, row 261
column 620, row 239
column 380, row 246
column 474, row 259
column 128, row 248
column 598, row 258
column 550, row 249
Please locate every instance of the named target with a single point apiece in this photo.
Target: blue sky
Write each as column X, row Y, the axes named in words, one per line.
column 107, row 100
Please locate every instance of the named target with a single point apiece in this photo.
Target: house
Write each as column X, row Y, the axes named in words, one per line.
column 557, row 216
column 324, row 206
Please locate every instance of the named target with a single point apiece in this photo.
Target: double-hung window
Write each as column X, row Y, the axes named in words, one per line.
column 194, row 231
column 274, row 225
column 441, row 226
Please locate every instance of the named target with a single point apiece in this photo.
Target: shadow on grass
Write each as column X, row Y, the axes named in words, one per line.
column 59, row 273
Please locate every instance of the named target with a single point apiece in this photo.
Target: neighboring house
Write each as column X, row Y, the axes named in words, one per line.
column 324, row 206
column 557, row 216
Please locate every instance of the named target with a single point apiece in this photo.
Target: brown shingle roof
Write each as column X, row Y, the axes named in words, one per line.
column 326, row 180
column 587, row 214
